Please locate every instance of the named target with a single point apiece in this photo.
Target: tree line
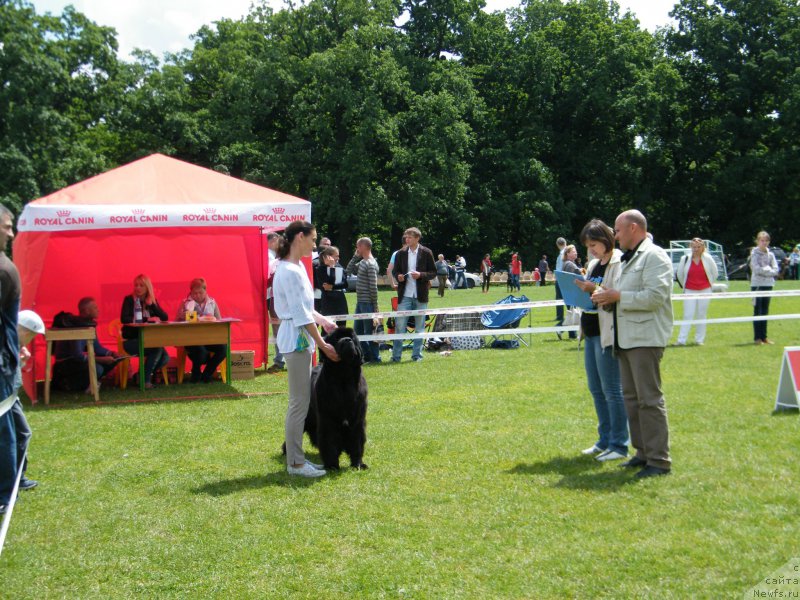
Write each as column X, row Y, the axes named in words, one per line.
column 490, row 132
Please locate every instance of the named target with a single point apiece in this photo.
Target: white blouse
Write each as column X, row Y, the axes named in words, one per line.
column 293, row 299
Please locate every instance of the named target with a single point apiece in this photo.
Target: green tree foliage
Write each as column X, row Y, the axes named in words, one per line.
column 57, row 84
column 731, row 141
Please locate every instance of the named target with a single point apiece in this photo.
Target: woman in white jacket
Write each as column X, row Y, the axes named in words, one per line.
column 764, row 269
column 696, row 274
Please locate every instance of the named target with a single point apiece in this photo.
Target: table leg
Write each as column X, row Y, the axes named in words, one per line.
column 92, row 370
column 141, row 360
column 48, row 372
column 228, row 357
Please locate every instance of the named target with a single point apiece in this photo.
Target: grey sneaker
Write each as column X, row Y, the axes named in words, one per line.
column 305, row 471
column 315, row 465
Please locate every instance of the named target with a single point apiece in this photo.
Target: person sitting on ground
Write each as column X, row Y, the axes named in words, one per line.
column 71, row 369
column 142, row 307
column 205, row 359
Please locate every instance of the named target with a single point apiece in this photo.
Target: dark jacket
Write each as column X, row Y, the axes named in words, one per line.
column 333, row 302
column 9, row 340
column 126, row 316
column 426, row 267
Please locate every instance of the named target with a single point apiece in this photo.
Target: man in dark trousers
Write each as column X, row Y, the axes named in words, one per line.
column 642, row 305
column 414, row 268
column 9, row 361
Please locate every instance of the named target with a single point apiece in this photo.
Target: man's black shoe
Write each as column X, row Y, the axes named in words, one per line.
column 634, row 462
column 28, row 484
column 651, row 472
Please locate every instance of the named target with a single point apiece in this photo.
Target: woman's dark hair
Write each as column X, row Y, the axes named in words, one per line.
column 597, row 231
column 328, row 251
column 289, row 234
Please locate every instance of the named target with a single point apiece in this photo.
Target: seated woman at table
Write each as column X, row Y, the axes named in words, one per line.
column 205, row 359
column 142, row 307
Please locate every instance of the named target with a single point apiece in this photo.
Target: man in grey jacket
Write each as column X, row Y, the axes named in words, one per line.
column 643, row 325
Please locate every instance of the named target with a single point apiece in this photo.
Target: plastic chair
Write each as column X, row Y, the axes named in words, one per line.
column 180, row 360
column 122, row 370
column 506, row 319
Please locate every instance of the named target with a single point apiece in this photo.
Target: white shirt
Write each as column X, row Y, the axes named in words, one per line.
column 294, row 305
column 411, row 283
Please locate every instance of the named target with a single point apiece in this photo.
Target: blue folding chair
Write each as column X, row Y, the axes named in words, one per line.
column 506, row 319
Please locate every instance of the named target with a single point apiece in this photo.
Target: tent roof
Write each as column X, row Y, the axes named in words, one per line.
column 159, row 191
column 160, row 179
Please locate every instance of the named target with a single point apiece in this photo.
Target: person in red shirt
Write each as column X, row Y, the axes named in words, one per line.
column 516, row 271
column 696, row 273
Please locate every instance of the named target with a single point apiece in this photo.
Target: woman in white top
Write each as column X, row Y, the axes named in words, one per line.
column 294, row 304
column 764, row 270
column 696, row 274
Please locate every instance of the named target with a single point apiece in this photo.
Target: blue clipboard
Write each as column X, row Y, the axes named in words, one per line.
column 572, row 294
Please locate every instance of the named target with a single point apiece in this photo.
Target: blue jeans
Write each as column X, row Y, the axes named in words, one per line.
column 462, row 278
column 419, row 326
column 602, row 375
column 515, row 282
column 154, row 358
column 370, row 350
column 23, row 432
column 8, row 457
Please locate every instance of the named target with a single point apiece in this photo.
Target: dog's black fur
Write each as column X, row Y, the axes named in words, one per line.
column 337, row 416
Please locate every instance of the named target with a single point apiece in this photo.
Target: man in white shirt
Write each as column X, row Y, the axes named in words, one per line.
column 414, row 268
column 461, row 267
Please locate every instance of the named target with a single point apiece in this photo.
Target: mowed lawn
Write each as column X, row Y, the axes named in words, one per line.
column 476, row 486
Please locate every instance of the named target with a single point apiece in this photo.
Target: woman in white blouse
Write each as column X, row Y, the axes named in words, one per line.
column 297, row 336
column 696, row 273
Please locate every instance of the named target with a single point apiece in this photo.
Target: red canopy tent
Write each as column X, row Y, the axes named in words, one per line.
column 163, row 217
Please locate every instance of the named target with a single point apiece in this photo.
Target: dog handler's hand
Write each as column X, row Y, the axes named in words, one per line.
column 329, row 351
column 328, row 325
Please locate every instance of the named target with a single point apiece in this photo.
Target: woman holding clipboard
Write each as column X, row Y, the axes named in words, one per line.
column 602, row 367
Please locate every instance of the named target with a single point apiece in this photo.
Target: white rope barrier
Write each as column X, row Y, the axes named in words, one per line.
column 460, row 310
column 10, row 508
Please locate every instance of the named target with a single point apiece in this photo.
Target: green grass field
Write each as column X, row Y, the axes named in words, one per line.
column 476, row 486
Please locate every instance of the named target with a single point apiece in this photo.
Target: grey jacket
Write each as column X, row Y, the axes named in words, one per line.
column 764, row 268
column 644, row 311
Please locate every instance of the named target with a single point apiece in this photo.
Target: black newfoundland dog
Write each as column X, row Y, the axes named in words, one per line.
column 337, row 415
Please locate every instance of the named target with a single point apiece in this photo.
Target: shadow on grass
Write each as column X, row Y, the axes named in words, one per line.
column 578, row 472
column 279, row 478
column 785, row 411
column 115, row 398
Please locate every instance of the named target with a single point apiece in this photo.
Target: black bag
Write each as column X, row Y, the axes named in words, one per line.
column 505, row 344
column 65, row 320
column 71, row 375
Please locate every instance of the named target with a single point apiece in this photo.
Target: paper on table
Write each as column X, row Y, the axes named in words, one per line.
column 572, row 294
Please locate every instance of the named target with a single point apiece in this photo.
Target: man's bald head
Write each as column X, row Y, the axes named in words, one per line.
column 630, row 229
